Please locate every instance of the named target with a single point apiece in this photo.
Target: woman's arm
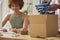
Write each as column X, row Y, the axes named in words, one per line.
column 6, row 19
column 25, row 23
column 54, row 7
column 58, row 6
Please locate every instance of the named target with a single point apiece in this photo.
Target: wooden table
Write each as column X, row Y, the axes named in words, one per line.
column 27, row 37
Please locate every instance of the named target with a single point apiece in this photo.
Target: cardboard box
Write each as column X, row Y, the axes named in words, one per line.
column 43, row 25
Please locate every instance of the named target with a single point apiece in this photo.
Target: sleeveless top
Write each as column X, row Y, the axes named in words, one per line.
column 16, row 21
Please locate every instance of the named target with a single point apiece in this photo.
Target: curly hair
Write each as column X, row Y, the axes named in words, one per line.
column 19, row 2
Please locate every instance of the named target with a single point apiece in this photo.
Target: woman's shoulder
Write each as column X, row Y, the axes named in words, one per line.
column 24, row 14
column 9, row 15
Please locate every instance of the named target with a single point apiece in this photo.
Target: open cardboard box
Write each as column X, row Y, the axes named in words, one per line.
column 43, row 25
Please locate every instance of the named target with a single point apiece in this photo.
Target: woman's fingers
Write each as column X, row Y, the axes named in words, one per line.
column 23, row 31
column 3, row 30
column 14, row 30
column 53, row 7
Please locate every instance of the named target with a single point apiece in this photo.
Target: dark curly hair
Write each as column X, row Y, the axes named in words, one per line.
column 19, row 2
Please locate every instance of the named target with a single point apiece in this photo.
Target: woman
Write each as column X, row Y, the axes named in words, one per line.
column 18, row 19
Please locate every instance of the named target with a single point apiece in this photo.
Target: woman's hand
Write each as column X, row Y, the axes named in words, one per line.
column 24, row 31
column 3, row 30
column 53, row 7
column 14, row 30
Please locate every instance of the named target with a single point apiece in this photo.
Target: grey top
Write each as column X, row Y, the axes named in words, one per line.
column 16, row 21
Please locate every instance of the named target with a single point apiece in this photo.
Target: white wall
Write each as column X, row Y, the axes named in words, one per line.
column 5, row 11
column 4, row 8
column 0, row 14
